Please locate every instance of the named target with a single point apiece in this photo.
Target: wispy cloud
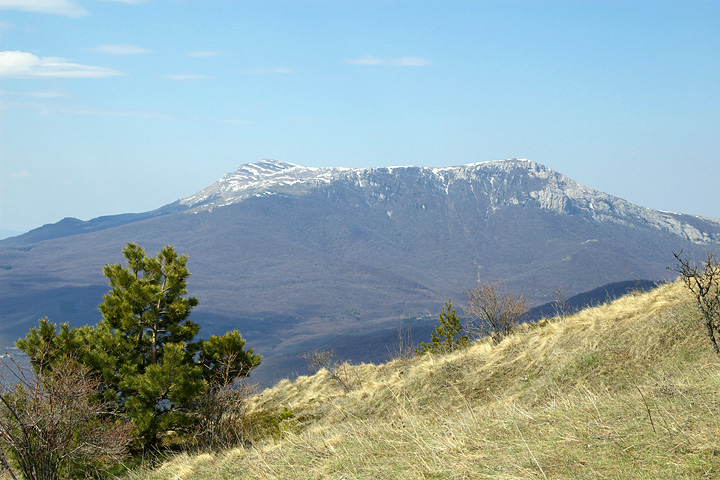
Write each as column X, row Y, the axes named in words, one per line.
column 34, row 93
column 52, row 107
column 302, row 119
column 237, row 121
column 5, row 26
column 184, row 77
column 23, row 174
column 67, row 8
column 267, row 71
column 105, row 112
column 371, row 60
column 130, row 2
column 204, row 53
column 23, row 64
column 46, row 94
column 121, row 49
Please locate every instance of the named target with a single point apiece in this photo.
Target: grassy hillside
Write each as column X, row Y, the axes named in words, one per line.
column 624, row 390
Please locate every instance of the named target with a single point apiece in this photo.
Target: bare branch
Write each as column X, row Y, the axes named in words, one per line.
column 703, row 280
column 340, row 372
column 53, row 418
column 496, row 312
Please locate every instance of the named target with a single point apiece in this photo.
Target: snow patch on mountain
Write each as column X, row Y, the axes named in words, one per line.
column 503, row 183
column 259, row 179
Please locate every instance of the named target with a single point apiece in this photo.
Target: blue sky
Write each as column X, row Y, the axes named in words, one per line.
column 123, row 106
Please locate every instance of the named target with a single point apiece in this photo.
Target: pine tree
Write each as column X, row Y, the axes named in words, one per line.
column 224, row 358
column 446, row 336
column 146, row 303
column 142, row 348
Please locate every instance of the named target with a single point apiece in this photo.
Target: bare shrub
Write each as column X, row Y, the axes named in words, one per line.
column 703, row 280
column 221, row 414
column 404, row 349
column 560, row 303
column 341, row 372
column 222, row 409
column 495, row 311
column 51, row 423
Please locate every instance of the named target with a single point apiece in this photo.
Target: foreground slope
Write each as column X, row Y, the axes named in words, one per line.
column 623, row 390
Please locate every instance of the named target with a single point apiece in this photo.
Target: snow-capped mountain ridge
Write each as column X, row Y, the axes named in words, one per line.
column 495, row 184
column 297, row 257
column 277, row 177
column 258, row 179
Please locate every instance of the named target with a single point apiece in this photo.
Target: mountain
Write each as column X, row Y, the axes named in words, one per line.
column 300, row 258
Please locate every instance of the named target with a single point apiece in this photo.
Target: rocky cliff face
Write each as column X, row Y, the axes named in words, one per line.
column 498, row 184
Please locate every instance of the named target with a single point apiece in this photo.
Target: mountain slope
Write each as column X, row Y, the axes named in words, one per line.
column 297, row 257
column 623, row 390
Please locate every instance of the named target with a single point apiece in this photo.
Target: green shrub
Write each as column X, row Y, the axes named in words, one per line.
column 446, row 336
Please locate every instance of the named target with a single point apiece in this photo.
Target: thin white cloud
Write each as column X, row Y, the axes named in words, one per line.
column 104, row 112
column 23, row 64
column 204, row 53
column 187, row 76
column 267, row 71
column 410, row 62
column 238, row 121
column 130, row 2
column 366, row 60
column 56, row 108
column 23, row 174
column 303, row 119
column 68, row 8
column 121, row 49
column 371, row 60
column 34, row 93
column 47, row 94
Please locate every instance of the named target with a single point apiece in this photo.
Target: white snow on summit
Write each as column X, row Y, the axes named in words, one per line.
column 257, row 179
column 504, row 183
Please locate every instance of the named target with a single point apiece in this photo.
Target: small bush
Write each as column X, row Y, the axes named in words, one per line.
column 51, row 424
column 703, row 280
column 497, row 313
column 446, row 336
column 341, row 372
column 221, row 414
column 404, row 349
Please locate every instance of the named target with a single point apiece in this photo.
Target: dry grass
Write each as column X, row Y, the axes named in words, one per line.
column 624, row 390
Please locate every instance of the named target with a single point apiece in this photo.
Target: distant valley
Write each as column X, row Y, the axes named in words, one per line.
column 300, row 258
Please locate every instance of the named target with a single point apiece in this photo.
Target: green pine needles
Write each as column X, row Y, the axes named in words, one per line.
column 446, row 337
column 143, row 348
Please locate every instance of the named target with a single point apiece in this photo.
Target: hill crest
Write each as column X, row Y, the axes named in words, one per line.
column 622, row 390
